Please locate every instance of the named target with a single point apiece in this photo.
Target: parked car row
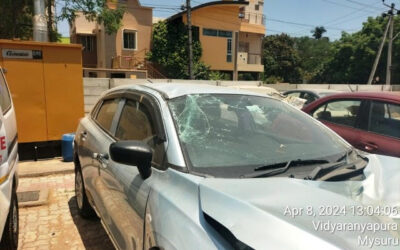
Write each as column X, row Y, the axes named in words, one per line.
column 180, row 166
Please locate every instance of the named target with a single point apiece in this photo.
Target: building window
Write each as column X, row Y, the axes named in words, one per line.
column 219, row 33
column 223, row 33
column 87, row 43
column 229, row 50
column 130, row 38
column 210, row 32
column 257, row 7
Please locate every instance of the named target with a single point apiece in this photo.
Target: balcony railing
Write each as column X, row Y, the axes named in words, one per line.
column 254, row 59
column 249, row 58
column 253, row 18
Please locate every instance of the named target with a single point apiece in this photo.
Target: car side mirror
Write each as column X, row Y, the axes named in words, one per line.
column 133, row 153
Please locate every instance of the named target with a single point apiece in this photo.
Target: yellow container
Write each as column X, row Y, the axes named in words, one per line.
column 45, row 80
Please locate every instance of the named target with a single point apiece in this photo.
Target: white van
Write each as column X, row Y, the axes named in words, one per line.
column 8, row 169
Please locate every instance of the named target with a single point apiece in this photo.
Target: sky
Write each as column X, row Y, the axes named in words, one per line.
column 294, row 17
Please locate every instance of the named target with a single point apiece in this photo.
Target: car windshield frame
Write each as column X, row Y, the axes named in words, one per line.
column 237, row 171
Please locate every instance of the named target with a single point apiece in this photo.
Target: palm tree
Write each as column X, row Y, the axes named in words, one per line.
column 318, row 32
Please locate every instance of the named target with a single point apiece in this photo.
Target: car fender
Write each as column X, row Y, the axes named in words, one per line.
column 173, row 218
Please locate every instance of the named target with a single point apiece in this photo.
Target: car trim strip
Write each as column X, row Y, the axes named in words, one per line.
column 12, row 144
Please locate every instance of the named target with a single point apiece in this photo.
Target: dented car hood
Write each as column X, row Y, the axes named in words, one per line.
column 285, row 213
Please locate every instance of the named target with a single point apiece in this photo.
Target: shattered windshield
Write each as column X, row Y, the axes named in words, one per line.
column 221, row 130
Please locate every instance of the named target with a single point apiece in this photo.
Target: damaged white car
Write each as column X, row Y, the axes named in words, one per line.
column 180, row 166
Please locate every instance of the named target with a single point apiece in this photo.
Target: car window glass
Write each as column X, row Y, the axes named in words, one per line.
column 295, row 94
column 394, row 111
column 106, row 113
column 5, row 99
column 309, row 97
column 385, row 119
column 135, row 122
column 342, row 112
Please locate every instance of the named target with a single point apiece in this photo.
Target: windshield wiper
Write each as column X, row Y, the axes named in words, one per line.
column 322, row 171
column 276, row 169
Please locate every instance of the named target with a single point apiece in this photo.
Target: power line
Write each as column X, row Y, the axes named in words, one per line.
column 346, row 6
column 342, row 19
column 363, row 4
column 305, row 25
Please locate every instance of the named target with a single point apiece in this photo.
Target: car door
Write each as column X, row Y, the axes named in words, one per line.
column 123, row 191
column 342, row 116
column 95, row 139
column 382, row 135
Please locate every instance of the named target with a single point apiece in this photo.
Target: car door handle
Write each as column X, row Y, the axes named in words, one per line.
column 102, row 158
column 83, row 135
column 370, row 147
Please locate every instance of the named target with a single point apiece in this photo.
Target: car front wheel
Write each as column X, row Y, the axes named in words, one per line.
column 9, row 240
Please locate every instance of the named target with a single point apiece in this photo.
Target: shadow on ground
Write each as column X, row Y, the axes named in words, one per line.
column 92, row 233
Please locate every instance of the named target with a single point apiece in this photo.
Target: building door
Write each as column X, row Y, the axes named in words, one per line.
column 89, row 50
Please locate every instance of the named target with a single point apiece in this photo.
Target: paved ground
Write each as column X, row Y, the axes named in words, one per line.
column 57, row 225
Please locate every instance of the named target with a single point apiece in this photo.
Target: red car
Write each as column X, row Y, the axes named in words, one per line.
column 369, row 121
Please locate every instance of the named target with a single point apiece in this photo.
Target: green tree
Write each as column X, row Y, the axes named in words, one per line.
column 354, row 54
column 318, row 32
column 170, row 50
column 281, row 59
column 16, row 19
column 95, row 10
column 313, row 54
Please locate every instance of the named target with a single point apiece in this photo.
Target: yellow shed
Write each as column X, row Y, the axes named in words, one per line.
column 45, row 80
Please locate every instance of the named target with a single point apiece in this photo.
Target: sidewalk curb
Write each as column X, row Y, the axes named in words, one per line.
column 45, row 173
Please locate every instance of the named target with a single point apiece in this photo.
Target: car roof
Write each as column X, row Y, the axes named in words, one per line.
column 173, row 90
column 316, row 91
column 369, row 95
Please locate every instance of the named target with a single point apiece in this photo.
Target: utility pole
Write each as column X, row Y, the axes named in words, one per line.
column 190, row 38
column 378, row 56
column 390, row 26
column 50, row 20
column 39, row 21
column 390, row 48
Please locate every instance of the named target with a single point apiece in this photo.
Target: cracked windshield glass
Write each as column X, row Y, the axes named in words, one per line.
column 237, row 130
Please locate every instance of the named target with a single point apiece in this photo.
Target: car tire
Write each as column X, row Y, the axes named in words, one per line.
column 9, row 240
column 82, row 202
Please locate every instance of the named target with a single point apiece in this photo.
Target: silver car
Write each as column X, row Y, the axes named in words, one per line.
column 180, row 166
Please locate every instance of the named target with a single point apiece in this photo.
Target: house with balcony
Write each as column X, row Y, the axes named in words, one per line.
column 118, row 55
column 230, row 33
